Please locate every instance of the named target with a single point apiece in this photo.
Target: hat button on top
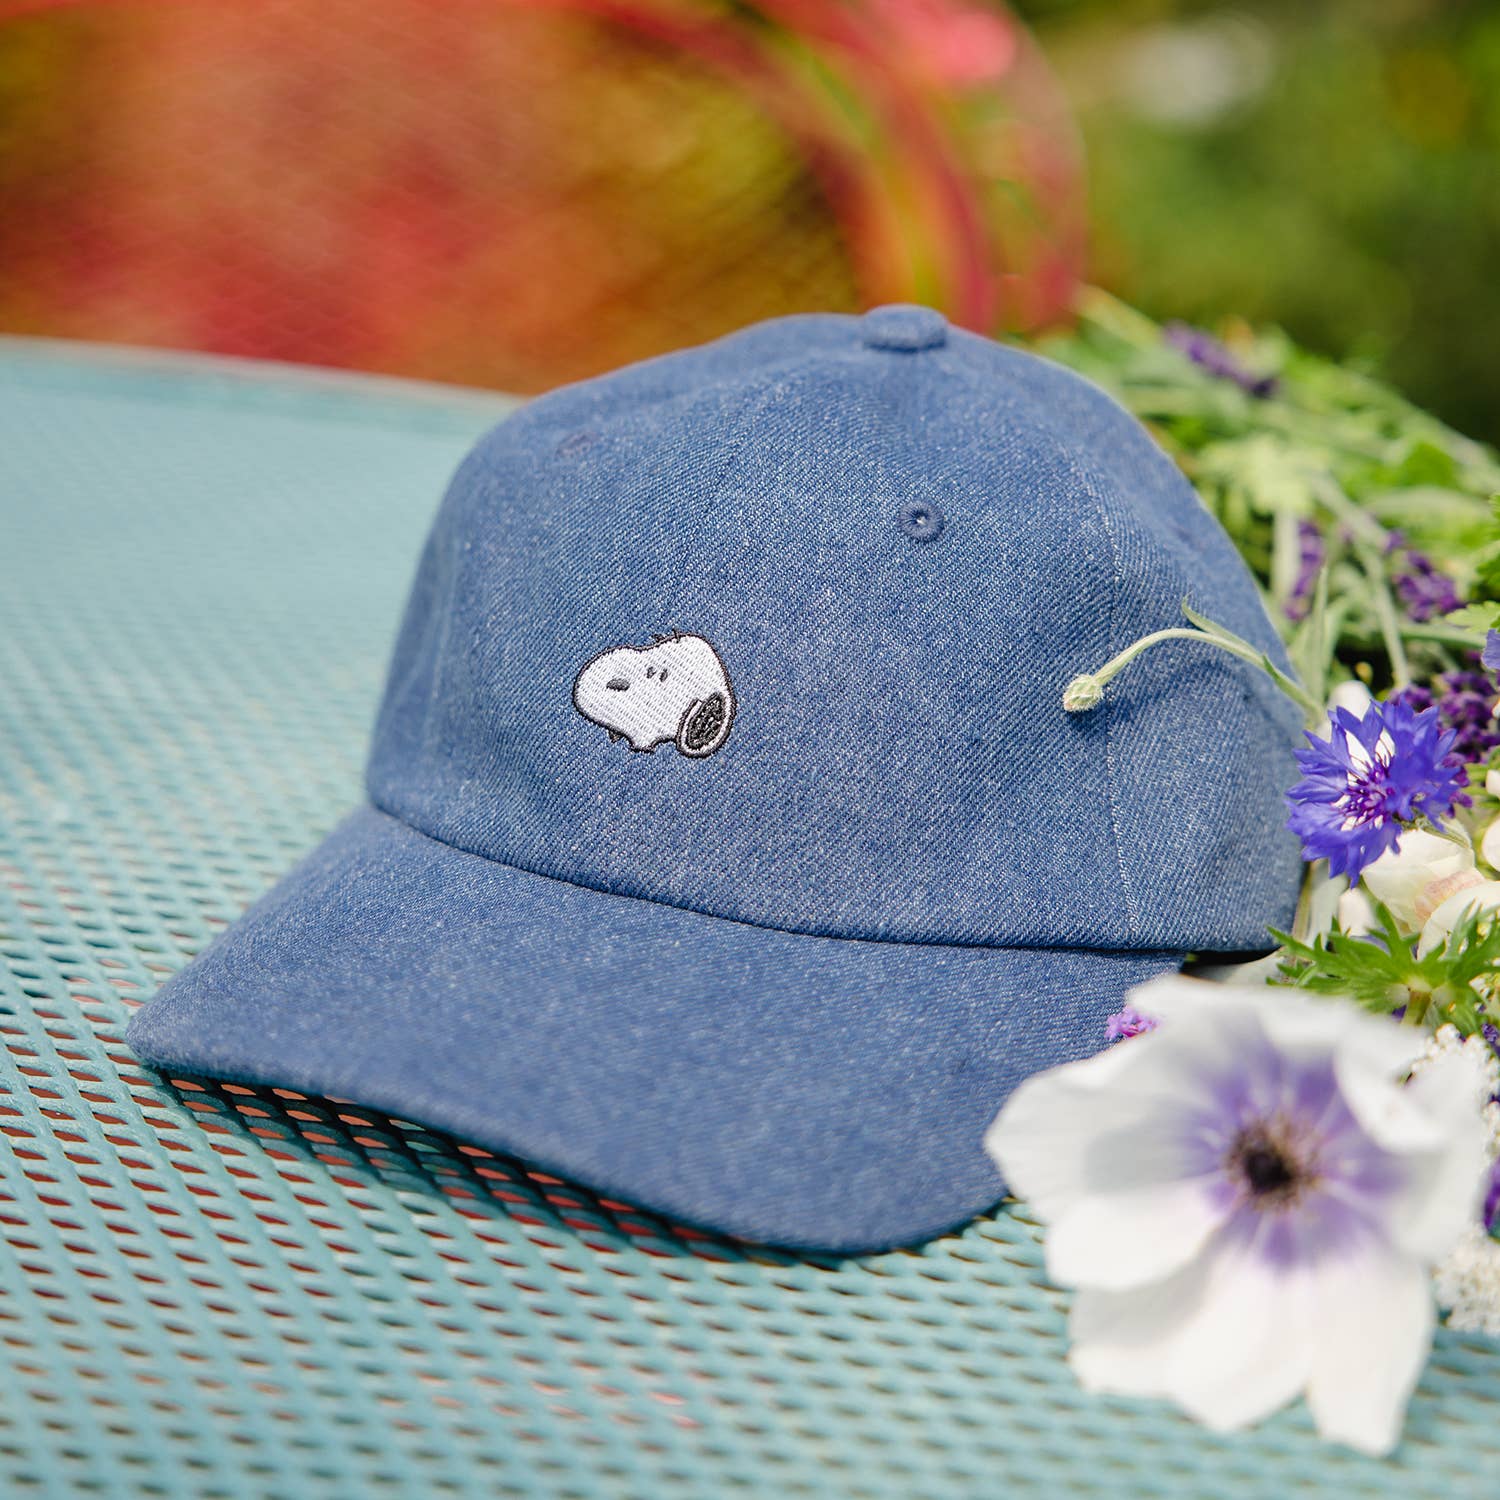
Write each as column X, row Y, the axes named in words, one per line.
column 904, row 327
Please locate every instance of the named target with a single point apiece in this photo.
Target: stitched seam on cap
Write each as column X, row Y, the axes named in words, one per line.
column 1132, row 911
column 766, row 388
column 760, row 392
column 1088, row 480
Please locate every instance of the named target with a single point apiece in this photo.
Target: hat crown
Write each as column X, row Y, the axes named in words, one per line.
column 777, row 630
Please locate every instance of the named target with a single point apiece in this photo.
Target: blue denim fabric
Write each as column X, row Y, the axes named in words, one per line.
column 901, row 542
column 812, row 1093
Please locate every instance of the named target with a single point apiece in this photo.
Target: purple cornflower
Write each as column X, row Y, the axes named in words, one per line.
column 1465, row 702
column 1369, row 778
column 1490, row 656
column 1309, row 563
column 1210, row 354
column 1423, row 589
column 1126, row 1023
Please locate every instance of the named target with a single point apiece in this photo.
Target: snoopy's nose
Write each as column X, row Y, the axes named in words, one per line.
column 617, row 684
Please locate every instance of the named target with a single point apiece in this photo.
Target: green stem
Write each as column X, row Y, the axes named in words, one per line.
column 1360, row 523
column 1117, row 664
column 1447, row 635
column 1302, row 921
column 1417, row 1007
column 1369, row 545
column 1454, row 834
column 1385, row 613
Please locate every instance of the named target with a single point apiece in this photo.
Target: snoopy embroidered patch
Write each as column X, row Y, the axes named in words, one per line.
column 674, row 689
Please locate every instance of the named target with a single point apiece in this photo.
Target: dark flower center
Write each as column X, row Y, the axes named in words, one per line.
column 1271, row 1171
column 1265, row 1169
column 1369, row 794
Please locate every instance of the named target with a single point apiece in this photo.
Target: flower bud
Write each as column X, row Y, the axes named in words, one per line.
column 1354, row 696
column 1082, row 694
column 1356, row 915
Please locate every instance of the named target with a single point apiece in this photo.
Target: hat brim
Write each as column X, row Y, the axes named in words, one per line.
column 817, row 1093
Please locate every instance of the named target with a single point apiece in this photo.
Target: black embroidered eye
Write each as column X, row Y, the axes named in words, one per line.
column 703, row 724
column 921, row 520
column 663, row 674
column 651, row 672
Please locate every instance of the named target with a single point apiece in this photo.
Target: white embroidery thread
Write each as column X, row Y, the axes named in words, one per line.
column 674, row 689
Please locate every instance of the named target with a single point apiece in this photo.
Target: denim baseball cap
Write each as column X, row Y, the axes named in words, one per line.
column 728, row 849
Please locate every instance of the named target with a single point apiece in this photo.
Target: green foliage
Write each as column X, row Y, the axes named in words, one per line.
column 1330, row 447
column 1383, row 973
column 1339, row 175
column 1309, row 644
column 1487, row 563
column 1327, row 481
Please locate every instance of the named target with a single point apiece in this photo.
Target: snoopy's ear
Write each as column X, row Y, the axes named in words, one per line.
column 705, row 725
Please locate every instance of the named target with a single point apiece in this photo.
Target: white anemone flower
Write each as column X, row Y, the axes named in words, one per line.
column 1436, row 930
column 1415, row 877
column 1489, row 843
column 1250, row 1202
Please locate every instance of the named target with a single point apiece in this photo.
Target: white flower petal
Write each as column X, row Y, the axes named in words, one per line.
column 1246, row 1353
column 1178, row 1301
column 1125, row 1239
column 1373, row 1318
column 1175, row 996
column 1370, row 1050
column 1301, row 1026
column 1445, row 1187
column 1225, row 1338
column 1444, row 1197
column 1121, row 1342
column 1290, row 1020
column 1353, row 695
column 1356, row 914
column 1096, row 1125
column 1220, row 1025
column 1366, row 1064
column 1489, row 845
column 1373, row 1044
column 1482, row 897
column 1398, row 877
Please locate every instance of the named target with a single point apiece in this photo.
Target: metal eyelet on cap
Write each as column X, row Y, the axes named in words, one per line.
column 921, row 520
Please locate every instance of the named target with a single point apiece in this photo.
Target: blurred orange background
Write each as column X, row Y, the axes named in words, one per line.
column 516, row 193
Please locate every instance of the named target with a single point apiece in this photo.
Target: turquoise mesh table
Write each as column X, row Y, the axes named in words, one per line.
column 216, row 1291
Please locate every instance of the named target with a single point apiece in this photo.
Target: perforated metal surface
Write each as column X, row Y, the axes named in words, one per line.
column 218, row 1291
